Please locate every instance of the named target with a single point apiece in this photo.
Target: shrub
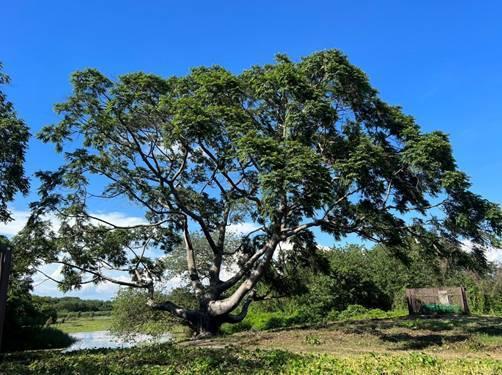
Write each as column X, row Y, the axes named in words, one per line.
column 31, row 338
column 131, row 315
column 313, row 340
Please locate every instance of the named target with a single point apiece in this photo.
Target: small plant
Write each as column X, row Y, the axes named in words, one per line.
column 312, row 339
column 475, row 345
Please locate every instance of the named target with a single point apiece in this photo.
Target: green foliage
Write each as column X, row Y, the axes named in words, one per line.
column 170, row 359
column 358, row 312
column 289, row 147
column 130, row 315
column 361, row 284
column 263, row 320
column 24, row 318
column 366, row 284
column 14, row 137
column 484, row 293
column 313, row 340
column 259, row 320
column 65, row 305
column 375, row 279
column 35, row 337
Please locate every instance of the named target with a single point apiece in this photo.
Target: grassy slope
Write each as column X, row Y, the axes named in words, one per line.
column 474, row 337
column 393, row 346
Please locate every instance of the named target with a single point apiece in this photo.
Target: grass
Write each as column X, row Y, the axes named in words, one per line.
column 85, row 324
column 446, row 337
column 452, row 345
column 172, row 359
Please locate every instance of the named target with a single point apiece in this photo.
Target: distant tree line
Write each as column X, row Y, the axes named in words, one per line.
column 72, row 304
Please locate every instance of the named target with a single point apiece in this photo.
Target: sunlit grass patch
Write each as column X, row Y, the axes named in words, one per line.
column 85, row 324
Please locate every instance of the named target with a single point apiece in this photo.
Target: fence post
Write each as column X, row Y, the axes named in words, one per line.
column 409, row 301
column 465, row 304
column 5, row 259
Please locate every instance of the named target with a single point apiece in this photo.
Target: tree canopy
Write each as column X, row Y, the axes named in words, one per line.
column 14, row 137
column 288, row 147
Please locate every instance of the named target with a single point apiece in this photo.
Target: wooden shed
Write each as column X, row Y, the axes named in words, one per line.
column 437, row 300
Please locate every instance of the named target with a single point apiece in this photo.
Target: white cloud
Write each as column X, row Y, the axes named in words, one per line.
column 116, row 218
column 493, row 254
column 45, row 286
column 13, row 227
column 119, row 218
column 242, row 228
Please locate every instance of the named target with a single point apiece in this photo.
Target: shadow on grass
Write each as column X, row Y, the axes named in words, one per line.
column 424, row 332
column 406, row 341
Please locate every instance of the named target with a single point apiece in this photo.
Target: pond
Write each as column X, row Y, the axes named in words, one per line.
column 105, row 339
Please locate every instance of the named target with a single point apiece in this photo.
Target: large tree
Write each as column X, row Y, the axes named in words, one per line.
column 289, row 147
column 14, row 136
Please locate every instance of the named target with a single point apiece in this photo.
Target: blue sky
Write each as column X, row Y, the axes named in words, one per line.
column 441, row 61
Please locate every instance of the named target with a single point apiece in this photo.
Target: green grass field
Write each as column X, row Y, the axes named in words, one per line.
column 85, row 324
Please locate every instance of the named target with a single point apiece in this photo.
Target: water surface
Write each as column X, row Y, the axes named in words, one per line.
column 105, row 339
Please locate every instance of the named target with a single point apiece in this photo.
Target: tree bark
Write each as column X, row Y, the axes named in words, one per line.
column 202, row 322
column 204, row 325
column 213, row 310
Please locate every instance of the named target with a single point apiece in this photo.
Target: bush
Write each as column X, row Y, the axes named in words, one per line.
column 31, row 338
column 131, row 315
column 259, row 319
column 352, row 311
column 358, row 312
column 263, row 320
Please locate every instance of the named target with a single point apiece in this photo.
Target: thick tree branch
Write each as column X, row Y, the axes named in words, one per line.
column 244, row 310
column 191, row 264
column 170, row 307
column 228, row 304
column 100, row 276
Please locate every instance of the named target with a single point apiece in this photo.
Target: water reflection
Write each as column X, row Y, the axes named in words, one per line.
column 105, row 339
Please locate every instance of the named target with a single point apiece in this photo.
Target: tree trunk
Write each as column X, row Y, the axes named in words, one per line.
column 205, row 325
